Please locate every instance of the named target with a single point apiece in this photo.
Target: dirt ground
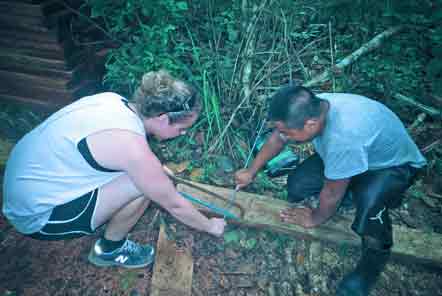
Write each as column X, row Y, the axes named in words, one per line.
column 256, row 263
column 244, row 262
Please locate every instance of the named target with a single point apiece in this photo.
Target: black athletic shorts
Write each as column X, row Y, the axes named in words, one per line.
column 70, row 220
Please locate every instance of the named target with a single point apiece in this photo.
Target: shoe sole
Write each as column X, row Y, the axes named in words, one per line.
column 101, row 263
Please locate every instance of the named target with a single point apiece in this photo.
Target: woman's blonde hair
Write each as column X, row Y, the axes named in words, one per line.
column 160, row 93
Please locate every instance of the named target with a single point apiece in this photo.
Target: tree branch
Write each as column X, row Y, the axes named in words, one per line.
column 373, row 44
column 427, row 109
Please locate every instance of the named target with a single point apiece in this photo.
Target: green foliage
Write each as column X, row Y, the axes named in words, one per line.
column 146, row 30
column 128, row 280
column 231, row 237
column 209, row 43
column 245, row 239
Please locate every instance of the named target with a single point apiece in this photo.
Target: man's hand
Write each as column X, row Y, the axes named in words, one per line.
column 299, row 216
column 217, row 226
column 243, row 178
column 329, row 198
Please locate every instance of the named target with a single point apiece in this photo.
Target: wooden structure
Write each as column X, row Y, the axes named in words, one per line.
column 173, row 269
column 263, row 212
column 40, row 63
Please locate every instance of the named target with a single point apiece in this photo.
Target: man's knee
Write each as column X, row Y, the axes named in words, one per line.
column 296, row 194
column 374, row 222
column 299, row 187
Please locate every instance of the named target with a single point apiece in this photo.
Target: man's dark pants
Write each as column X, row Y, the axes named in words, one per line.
column 373, row 192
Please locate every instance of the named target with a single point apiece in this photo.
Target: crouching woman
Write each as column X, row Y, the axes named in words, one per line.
column 90, row 164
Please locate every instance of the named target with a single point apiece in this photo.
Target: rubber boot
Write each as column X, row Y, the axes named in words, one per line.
column 361, row 280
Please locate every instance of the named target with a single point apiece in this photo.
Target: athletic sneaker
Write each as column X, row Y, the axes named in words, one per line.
column 129, row 255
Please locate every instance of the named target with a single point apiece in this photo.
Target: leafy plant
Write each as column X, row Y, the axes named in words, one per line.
column 229, row 49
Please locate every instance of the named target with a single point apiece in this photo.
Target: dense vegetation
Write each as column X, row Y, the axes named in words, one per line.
column 238, row 52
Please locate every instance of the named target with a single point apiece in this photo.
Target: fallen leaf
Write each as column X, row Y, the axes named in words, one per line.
column 300, row 259
column 196, row 174
column 178, row 168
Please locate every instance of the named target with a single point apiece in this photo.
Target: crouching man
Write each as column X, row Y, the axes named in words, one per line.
column 362, row 150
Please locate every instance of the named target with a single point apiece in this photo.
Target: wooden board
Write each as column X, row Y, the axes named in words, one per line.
column 263, row 212
column 12, row 35
column 30, row 102
column 34, row 48
column 17, row 8
column 173, row 270
column 19, row 78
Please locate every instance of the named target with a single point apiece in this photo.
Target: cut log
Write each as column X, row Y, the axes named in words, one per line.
column 173, row 270
column 263, row 212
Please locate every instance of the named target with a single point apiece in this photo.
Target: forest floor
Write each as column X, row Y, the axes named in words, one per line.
column 258, row 263
column 253, row 263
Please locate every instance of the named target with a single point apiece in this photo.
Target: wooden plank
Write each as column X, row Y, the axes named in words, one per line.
column 33, row 48
column 16, row 34
column 74, row 75
column 31, row 102
column 263, row 212
column 173, row 270
column 13, row 60
column 18, row 8
column 24, row 1
column 24, row 27
column 24, row 79
column 17, row 21
column 55, row 96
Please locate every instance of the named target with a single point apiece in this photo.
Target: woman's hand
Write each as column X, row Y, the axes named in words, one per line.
column 243, row 178
column 217, row 226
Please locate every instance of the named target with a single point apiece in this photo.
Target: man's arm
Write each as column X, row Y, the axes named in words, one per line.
column 271, row 148
column 329, row 198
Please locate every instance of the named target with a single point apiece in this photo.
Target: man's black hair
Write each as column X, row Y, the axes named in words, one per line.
column 293, row 105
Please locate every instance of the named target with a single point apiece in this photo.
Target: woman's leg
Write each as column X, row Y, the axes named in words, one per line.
column 120, row 205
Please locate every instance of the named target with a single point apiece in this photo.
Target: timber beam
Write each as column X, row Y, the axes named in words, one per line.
column 410, row 245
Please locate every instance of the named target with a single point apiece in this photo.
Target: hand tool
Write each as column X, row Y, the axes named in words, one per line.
column 233, row 197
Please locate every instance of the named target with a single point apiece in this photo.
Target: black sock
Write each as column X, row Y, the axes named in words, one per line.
column 110, row 246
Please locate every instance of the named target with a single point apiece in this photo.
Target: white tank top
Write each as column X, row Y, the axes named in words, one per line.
column 46, row 169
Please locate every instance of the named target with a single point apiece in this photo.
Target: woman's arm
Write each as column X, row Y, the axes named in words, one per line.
column 124, row 150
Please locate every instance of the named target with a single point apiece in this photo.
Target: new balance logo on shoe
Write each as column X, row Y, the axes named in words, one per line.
column 122, row 259
column 379, row 216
